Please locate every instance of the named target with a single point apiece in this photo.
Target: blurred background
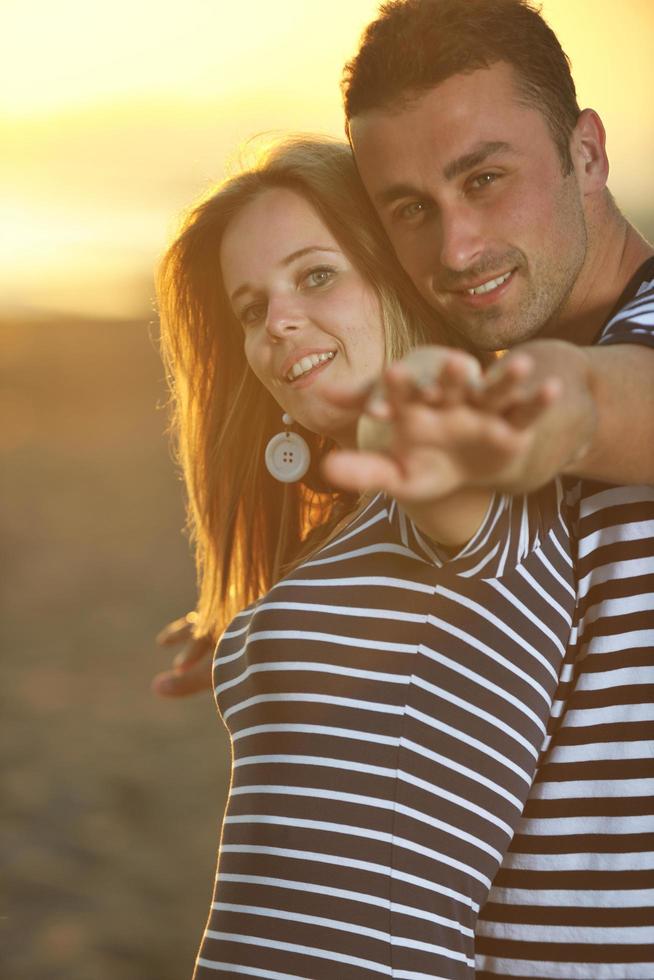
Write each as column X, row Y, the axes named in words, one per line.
column 113, row 118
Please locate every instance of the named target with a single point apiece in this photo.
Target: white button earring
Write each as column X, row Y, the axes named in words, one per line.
column 287, row 454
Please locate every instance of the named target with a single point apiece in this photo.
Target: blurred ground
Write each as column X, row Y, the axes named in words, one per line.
column 111, row 799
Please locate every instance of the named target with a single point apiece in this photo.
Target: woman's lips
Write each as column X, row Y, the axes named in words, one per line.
column 308, row 377
column 297, row 355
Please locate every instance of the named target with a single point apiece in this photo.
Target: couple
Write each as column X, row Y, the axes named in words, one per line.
column 439, row 691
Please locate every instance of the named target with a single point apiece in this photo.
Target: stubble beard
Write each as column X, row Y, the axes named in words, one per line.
column 548, row 283
column 547, row 293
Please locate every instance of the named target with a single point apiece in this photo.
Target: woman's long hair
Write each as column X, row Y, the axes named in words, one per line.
column 247, row 527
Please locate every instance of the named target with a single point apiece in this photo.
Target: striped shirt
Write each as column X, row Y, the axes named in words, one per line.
column 574, row 897
column 386, row 709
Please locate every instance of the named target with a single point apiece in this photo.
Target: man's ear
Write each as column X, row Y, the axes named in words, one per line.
column 588, row 150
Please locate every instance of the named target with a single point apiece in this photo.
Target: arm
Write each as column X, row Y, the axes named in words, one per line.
column 601, row 425
column 191, row 670
column 621, row 450
column 423, row 442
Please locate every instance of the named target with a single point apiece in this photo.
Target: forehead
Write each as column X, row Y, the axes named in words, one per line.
column 277, row 223
column 412, row 141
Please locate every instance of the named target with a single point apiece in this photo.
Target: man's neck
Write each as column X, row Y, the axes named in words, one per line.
column 616, row 251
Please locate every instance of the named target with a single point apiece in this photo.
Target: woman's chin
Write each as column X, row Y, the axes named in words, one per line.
column 344, row 433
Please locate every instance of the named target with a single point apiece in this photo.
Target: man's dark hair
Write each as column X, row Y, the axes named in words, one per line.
column 416, row 44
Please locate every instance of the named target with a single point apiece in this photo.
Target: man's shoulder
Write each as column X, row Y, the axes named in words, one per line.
column 632, row 318
column 601, row 510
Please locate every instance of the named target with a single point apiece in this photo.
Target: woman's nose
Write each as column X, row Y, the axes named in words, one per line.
column 283, row 316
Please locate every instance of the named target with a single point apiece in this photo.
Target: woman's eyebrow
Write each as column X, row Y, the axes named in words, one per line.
column 287, row 260
column 306, row 251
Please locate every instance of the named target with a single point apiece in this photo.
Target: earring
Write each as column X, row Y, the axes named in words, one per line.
column 287, row 454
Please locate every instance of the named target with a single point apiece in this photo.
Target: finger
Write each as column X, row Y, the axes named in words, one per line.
column 363, row 472
column 419, row 425
column 435, row 377
column 504, row 384
column 377, row 405
column 348, row 396
column 171, row 684
column 178, row 631
column 194, row 651
column 452, row 430
column 459, row 379
column 360, row 472
column 525, row 414
column 403, row 391
column 403, row 383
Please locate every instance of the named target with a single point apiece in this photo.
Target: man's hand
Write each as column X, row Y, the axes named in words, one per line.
column 191, row 671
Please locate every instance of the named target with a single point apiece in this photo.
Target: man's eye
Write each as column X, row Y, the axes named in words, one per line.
column 319, row 276
column 412, row 210
column 483, row 180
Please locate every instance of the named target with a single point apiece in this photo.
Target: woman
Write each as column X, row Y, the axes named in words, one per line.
column 235, row 509
column 382, row 751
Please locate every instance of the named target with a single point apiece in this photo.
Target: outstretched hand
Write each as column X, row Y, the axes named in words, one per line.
column 435, row 424
column 191, row 670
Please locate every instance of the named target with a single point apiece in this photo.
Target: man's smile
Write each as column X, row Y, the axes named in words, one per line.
column 486, row 287
column 481, row 294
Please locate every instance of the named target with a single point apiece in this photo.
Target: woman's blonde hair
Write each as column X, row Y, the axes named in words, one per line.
column 245, row 526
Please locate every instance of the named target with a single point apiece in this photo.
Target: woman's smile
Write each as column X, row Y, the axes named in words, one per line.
column 306, row 364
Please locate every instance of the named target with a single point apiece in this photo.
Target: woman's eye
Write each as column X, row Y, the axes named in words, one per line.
column 252, row 314
column 319, row 276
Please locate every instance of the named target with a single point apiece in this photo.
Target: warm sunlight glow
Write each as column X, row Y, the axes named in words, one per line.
column 116, row 116
column 71, row 53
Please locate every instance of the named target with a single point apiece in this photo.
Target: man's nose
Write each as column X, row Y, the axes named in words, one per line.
column 461, row 238
column 283, row 316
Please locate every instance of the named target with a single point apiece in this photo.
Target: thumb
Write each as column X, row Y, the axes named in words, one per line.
column 173, row 684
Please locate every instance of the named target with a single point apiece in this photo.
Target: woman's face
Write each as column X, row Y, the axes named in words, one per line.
column 309, row 318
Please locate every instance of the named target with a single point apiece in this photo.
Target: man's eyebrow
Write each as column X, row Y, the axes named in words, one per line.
column 470, row 160
column 298, row 254
column 451, row 170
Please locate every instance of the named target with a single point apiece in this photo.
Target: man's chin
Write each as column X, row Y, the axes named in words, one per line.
column 489, row 332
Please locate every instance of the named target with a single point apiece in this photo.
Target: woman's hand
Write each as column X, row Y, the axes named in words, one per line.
column 191, row 670
column 436, row 425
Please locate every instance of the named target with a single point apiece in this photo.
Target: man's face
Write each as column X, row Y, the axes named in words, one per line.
column 469, row 186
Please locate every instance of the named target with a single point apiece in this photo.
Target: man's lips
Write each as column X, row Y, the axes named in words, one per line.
column 485, row 291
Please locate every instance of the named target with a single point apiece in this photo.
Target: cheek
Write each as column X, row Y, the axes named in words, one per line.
column 254, row 357
column 372, row 336
column 536, row 214
column 249, row 351
column 415, row 252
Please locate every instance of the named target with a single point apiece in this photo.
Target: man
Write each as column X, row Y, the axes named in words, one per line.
column 491, row 185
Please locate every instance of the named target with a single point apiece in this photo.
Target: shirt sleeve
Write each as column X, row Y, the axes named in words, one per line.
column 512, row 528
column 634, row 323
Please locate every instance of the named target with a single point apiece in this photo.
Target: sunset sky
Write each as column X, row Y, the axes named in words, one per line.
column 114, row 117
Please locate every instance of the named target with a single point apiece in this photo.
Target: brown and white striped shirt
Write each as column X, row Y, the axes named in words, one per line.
column 386, row 709
column 391, row 712
column 574, row 897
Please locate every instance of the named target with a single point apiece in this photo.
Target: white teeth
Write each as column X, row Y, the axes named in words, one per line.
column 307, row 363
column 487, row 286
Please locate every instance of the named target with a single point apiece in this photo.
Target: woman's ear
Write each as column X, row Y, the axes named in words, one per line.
column 588, row 150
